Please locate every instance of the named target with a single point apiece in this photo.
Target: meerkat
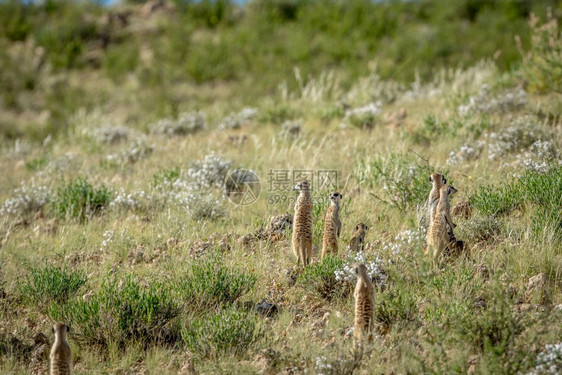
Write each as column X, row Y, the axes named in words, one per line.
column 332, row 226
column 438, row 232
column 302, row 224
column 61, row 356
column 438, row 180
column 364, row 306
column 357, row 242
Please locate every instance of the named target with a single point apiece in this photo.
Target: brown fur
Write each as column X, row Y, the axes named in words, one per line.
column 332, row 226
column 302, row 224
column 437, row 180
column 438, row 232
column 364, row 295
column 61, row 356
column 357, row 242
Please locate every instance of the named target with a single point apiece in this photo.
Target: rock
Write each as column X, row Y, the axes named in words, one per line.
column 40, row 354
column 266, row 361
column 280, row 223
column 537, row 289
column 472, row 362
column 462, row 209
column 266, row 309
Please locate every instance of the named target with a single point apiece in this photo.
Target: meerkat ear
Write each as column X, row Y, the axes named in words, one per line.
column 53, row 329
column 444, row 180
column 366, row 227
column 67, row 328
column 430, row 179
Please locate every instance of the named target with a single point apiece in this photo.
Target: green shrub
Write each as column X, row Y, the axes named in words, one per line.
column 320, row 277
column 393, row 305
column 229, row 331
column 433, row 129
column 166, row 177
column 405, row 181
column 122, row 312
column 80, row 199
column 51, row 283
column 541, row 191
column 209, row 283
column 542, row 63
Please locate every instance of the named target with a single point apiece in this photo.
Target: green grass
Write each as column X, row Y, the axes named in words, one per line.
column 51, row 283
column 80, row 199
column 228, row 331
column 123, row 312
column 208, row 283
column 175, row 269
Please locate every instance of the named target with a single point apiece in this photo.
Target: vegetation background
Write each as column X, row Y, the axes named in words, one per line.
column 119, row 125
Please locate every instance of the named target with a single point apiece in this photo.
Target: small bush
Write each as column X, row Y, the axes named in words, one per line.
column 166, row 177
column 79, row 199
column 542, row 190
column 481, row 228
column 322, row 278
column 186, row 123
column 51, row 283
column 494, row 330
column 123, row 312
column 26, row 201
column 202, row 207
column 542, row 63
column 393, row 305
column 229, row 331
column 209, row 283
column 277, row 114
column 404, row 181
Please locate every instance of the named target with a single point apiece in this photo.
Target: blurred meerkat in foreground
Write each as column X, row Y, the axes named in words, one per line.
column 364, row 306
column 302, row 224
column 357, row 242
column 332, row 226
column 61, row 356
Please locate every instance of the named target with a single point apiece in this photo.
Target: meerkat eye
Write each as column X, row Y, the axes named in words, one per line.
column 53, row 329
column 67, row 329
column 430, row 179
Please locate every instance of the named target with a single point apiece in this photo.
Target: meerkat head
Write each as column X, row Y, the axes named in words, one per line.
column 361, row 226
column 437, row 179
column 335, row 197
column 359, row 270
column 60, row 330
column 447, row 191
column 302, row 186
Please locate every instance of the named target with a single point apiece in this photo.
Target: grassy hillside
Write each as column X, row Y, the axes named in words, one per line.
column 115, row 217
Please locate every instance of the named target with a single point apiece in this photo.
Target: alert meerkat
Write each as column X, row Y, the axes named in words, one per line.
column 364, row 306
column 61, row 355
column 438, row 233
column 357, row 242
column 302, row 224
column 332, row 226
column 438, row 180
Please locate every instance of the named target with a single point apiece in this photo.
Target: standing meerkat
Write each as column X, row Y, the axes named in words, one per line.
column 364, row 295
column 438, row 233
column 302, row 224
column 438, row 180
column 61, row 357
column 357, row 242
column 332, row 226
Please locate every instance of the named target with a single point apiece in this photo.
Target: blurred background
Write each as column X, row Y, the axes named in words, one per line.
column 144, row 60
